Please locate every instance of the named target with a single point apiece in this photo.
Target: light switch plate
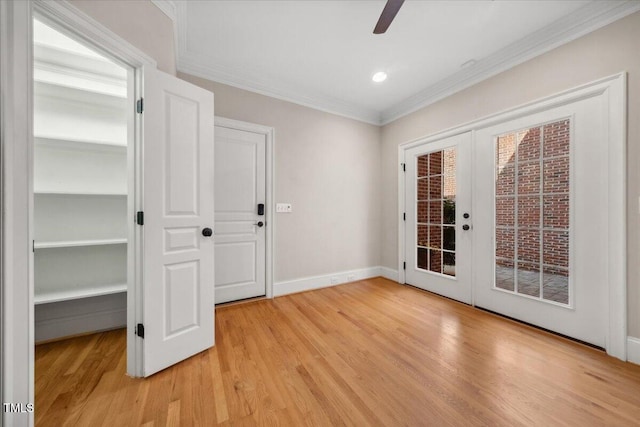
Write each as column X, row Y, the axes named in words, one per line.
column 283, row 207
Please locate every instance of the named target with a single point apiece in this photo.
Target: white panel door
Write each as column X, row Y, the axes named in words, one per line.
column 240, row 186
column 438, row 217
column 540, row 229
column 178, row 275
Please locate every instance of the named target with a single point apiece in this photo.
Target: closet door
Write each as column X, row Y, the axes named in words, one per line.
column 178, row 282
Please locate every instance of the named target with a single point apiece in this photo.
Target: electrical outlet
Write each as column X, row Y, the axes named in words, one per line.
column 283, row 207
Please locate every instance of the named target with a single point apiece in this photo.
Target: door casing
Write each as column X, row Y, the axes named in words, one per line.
column 614, row 89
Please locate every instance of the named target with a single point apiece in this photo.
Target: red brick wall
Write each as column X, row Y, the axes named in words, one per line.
column 535, row 210
column 436, row 181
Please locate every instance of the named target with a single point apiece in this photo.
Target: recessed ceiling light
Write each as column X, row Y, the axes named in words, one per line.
column 379, row 77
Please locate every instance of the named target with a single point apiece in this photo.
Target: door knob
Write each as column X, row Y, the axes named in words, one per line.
column 207, row 232
column 465, row 227
column 259, row 223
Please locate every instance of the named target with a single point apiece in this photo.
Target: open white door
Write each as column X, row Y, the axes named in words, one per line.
column 178, row 253
column 438, row 217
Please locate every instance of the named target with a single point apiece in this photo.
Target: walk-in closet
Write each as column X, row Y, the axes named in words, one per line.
column 81, row 162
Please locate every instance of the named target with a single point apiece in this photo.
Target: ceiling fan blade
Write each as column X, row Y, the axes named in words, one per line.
column 386, row 17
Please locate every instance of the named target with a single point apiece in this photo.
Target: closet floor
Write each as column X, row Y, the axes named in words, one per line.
column 365, row 353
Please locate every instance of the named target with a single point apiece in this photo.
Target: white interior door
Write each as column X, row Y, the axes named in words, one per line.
column 178, row 275
column 438, row 217
column 240, row 187
column 540, row 228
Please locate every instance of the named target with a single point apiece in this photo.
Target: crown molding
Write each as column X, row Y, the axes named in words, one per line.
column 171, row 9
column 190, row 63
column 168, row 7
column 589, row 18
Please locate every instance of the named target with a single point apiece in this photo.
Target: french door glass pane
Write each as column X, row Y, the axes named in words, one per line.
column 532, row 212
column 436, row 212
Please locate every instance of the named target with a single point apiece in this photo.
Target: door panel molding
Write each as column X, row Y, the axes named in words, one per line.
column 269, row 134
column 613, row 89
column 178, row 193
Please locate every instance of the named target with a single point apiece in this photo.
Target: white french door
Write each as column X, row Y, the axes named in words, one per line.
column 438, row 217
column 540, row 227
column 240, row 227
column 178, row 254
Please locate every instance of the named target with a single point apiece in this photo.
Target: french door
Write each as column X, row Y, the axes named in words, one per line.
column 540, row 228
column 534, row 245
column 438, row 217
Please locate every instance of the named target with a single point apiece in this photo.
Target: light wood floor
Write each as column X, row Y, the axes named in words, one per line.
column 366, row 353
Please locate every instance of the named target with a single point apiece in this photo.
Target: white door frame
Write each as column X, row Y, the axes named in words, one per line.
column 269, row 134
column 614, row 89
column 17, row 166
column 16, row 124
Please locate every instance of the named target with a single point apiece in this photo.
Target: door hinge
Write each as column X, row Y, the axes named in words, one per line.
column 140, row 330
column 140, row 218
column 404, row 167
column 404, row 216
column 140, row 105
column 33, row 246
column 404, row 265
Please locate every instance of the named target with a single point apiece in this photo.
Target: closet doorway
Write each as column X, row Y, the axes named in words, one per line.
column 82, row 184
column 122, row 195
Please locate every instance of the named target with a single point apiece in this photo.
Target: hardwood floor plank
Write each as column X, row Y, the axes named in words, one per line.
column 366, row 353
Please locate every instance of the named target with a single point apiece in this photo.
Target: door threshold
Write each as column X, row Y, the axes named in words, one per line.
column 241, row 301
column 513, row 319
column 549, row 331
column 82, row 334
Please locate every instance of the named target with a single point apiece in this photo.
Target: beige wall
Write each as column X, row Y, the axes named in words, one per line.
column 139, row 22
column 328, row 168
column 342, row 186
column 608, row 51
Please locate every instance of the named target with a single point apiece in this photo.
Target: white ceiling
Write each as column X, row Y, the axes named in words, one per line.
column 323, row 53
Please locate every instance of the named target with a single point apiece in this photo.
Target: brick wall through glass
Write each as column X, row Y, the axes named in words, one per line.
column 532, row 211
column 436, row 212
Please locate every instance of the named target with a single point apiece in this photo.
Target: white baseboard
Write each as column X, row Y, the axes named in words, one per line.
column 317, row 282
column 67, row 318
column 389, row 273
column 633, row 350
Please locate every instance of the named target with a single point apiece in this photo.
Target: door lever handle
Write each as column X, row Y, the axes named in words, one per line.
column 259, row 223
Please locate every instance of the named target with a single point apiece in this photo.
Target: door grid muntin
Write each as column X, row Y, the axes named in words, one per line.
column 436, row 212
column 532, row 212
